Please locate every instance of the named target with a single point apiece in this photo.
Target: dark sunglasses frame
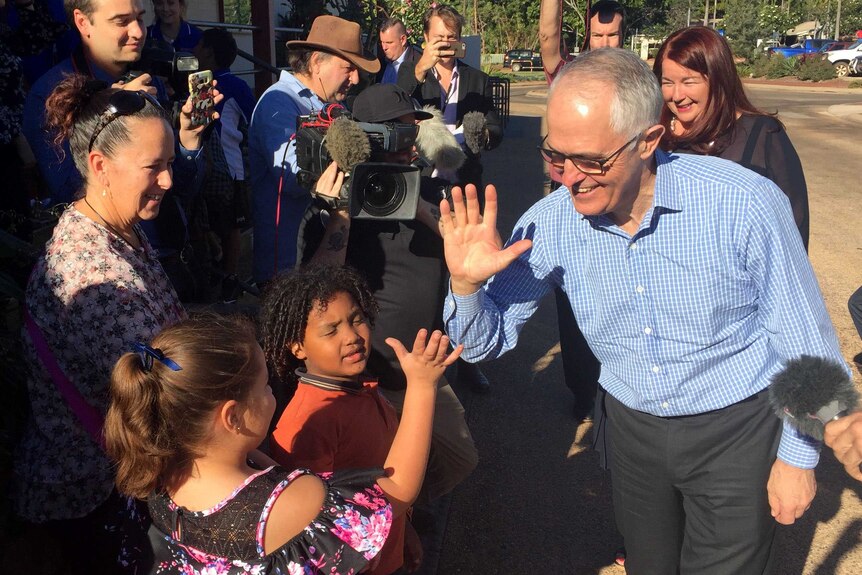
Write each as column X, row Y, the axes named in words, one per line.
column 583, row 165
column 121, row 103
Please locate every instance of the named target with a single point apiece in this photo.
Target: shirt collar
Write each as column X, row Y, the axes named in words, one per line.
column 331, row 384
column 294, row 85
column 400, row 59
column 455, row 73
column 666, row 192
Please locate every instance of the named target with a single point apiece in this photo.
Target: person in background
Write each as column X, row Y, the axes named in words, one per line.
column 57, row 51
column 396, row 49
column 688, row 350
column 98, row 287
column 707, row 112
column 605, row 29
column 854, row 306
column 112, row 37
column 186, row 416
column 36, row 29
column 171, row 28
column 217, row 51
column 324, row 67
column 456, row 89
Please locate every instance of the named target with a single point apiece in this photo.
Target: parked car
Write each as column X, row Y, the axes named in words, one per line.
column 522, row 59
column 841, row 59
column 823, row 51
column 809, row 46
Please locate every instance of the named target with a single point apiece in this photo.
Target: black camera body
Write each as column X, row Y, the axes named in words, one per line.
column 159, row 58
column 374, row 190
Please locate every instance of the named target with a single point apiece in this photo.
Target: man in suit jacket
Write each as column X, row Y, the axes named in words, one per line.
column 395, row 50
column 441, row 80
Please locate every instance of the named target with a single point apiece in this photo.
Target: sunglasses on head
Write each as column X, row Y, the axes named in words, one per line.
column 121, row 103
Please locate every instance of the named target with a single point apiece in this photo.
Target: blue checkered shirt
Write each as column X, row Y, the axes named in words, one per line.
column 695, row 312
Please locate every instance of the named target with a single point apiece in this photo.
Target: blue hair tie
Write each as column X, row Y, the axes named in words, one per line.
column 148, row 354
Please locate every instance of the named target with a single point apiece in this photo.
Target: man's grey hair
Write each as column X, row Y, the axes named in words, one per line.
column 636, row 99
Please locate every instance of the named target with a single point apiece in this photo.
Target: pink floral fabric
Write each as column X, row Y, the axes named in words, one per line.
column 91, row 295
column 349, row 531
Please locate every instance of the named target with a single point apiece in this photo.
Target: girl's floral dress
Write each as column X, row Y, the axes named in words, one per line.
column 228, row 539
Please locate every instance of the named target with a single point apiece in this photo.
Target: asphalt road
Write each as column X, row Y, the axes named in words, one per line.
column 538, row 501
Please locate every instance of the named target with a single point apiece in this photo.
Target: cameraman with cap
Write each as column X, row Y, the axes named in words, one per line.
column 404, row 266
column 325, row 65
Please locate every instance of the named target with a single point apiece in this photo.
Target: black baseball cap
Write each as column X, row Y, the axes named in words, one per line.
column 385, row 103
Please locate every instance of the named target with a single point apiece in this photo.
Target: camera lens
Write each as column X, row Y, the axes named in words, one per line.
column 384, row 192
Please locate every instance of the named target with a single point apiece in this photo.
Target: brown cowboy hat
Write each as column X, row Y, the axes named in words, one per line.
column 340, row 37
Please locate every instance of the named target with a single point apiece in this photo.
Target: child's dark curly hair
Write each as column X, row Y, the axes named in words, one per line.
column 290, row 298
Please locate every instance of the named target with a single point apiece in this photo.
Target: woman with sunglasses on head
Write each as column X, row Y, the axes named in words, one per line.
column 708, row 113
column 98, row 287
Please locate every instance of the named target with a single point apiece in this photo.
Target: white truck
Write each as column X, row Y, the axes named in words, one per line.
column 841, row 59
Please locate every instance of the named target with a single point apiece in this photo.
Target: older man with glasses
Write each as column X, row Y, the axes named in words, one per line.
column 692, row 288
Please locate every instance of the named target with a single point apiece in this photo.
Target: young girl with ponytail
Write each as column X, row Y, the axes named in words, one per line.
column 187, row 413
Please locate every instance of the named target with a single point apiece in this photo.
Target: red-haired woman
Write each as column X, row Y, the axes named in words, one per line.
column 708, row 113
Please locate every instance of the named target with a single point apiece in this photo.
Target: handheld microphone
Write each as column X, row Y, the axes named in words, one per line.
column 474, row 131
column 436, row 144
column 347, row 144
column 812, row 391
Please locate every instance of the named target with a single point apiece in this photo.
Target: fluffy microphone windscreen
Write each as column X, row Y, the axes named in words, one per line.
column 347, row 144
column 436, row 143
column 474, row 131
column 805, row 386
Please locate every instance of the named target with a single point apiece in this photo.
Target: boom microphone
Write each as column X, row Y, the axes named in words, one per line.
column 436, row 143
column 812, row 391
column 475, row 131
column 347, row 144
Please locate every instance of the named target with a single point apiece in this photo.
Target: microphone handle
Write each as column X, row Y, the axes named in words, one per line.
column 830, row 412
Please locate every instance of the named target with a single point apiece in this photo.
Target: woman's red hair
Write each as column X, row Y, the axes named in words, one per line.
column 705, row 51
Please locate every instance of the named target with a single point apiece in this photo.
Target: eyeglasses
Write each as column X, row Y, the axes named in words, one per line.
column 121, row 103
column 584, row 165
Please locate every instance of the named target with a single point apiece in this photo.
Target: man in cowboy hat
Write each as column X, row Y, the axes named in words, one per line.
column 325, row 66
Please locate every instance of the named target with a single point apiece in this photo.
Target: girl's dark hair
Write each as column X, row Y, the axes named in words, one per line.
column 705, row 51
column 159, row 420
column 73, row 110
column 290, row 298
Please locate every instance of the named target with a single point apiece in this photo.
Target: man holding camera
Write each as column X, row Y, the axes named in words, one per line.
column 112, row 37
column 463, row 95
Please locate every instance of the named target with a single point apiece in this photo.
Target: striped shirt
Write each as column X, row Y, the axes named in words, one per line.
column 695, row 312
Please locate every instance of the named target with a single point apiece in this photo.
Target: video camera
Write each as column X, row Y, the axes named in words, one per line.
column 159, row 58
column 374, row 190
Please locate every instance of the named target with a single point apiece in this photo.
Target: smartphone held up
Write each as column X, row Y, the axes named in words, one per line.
column 203, row 102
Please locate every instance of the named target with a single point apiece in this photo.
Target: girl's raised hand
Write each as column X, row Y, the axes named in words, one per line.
column 428, row 359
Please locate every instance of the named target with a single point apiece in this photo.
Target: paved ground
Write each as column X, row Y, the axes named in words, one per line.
column 538, row 501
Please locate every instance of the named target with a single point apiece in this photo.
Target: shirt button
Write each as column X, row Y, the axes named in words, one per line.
column 633, row 247
column 665, row 404
column 656, row 369
column 639, row 289
column 647, row 330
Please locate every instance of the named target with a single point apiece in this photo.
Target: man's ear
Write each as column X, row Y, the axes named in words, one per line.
column 649, row 143
column 82, row 23
column 298, row 352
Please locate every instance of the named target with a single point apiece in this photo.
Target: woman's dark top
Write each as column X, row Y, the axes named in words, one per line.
column 760, row 144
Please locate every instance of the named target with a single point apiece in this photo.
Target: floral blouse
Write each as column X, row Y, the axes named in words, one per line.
column 91, row 295
column 228, row 539
column 37, row 30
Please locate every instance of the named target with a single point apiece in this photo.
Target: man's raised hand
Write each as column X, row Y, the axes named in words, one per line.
column 474, row 251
